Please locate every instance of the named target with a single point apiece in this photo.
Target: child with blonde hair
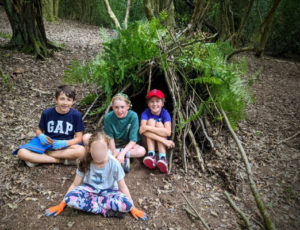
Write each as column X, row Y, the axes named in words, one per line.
column 122, row 126
column 99, row 186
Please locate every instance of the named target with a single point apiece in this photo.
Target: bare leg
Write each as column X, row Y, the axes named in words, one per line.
column 72, row 152
column 161, row 146
column 137, row 151
column 27, row 155
column 150, row 142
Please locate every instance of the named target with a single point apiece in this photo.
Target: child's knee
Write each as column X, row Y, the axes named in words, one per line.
column 151, row 122
column 159, row 125
column 127, row 205
column 22, row 153
column 86, row 138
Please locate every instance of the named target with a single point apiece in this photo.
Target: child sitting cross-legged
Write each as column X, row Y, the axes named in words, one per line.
column 156, row 127
column 99, row 186
column 59, row 134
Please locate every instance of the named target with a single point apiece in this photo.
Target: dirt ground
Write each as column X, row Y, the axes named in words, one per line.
column 25, row 192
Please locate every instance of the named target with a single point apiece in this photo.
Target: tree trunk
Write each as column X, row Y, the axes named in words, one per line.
column 265, row 29
column 26, row 20
column 153, row 8
column 225, row 23
column 199, row 13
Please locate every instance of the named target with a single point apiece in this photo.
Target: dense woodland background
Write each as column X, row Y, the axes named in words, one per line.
column 194, row 46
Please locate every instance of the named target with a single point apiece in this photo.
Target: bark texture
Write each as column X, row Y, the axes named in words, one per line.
column 26, row 20
column 154, row 7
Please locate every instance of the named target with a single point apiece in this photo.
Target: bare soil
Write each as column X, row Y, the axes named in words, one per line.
column 25, row 192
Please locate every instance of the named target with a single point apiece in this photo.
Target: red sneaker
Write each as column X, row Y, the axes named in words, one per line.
column 150, row 162
column 162, row 164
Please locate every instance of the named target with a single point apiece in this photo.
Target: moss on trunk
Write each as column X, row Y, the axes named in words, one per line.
column 26, row 20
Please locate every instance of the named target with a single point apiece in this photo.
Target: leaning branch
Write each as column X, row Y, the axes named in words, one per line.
column 127, row 14
column 243, row 216
column 197, row 213
column 269, row 225
column 111, row 14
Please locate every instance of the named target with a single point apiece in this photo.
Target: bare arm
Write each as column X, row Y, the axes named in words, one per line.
column 163, row 131
column 77, row 139
column 125, row 150
column 77, row 181
column 38, row 131
column 112, row 146
column 168, row 143
column 124, row 189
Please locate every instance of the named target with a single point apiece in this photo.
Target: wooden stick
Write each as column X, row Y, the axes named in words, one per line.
column 198, row 215
column 127, row 14
column 91, row 106
column 232, row 204
column 289, row 138
column 269, row 225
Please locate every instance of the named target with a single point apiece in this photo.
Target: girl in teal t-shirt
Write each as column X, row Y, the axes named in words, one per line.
column 122, row 126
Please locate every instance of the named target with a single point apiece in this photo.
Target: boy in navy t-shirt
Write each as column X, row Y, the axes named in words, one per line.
column 156, row 127
column 59, row 133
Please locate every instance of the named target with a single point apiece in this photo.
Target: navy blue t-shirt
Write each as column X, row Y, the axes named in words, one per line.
column 61, row 126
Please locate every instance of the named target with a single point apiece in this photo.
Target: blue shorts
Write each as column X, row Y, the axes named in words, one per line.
column 35, row 146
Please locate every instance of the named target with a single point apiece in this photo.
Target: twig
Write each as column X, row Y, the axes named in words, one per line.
column 91, row 106
column 239, row 51
column 261, row 207
column 289, row 138
column 232, row 204
column 206, row 135
column 150, row 77
column 197, row 149
column 198, row 215
column 190, row 212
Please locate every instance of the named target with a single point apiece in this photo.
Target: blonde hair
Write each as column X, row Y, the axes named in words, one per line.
column 121, row 97
column 84, row 164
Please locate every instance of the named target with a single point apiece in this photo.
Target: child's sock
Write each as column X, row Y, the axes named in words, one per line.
column 151, row 153
column 162, row 156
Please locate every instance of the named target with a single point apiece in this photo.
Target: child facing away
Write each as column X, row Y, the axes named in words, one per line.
column 156, row 127
column 122, row 126
column 99, row 186
column 59, row 133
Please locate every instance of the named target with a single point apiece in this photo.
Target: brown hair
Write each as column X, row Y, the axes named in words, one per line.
column 84, row 164
column 67, row 90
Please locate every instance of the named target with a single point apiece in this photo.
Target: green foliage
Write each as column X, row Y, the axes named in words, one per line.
column 94, row 11
column 5, row 80
column 5, row 35
column 226, row 88
column 203, row 66
column 118, row 65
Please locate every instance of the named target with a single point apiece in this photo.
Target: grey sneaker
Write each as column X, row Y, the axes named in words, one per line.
column 126, row 165
column 30, row 164
column 69, row 162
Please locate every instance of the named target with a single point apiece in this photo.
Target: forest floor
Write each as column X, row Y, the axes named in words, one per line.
column 25, row 192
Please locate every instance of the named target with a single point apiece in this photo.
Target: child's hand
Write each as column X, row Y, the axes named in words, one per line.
column 120, row 158
column 45, row 140
column 56, row 210
column 138, row 214
column 143, row 129
column 170, row 144
column 59, row 144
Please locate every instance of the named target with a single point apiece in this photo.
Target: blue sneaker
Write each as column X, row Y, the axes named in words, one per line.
column 126, row 165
